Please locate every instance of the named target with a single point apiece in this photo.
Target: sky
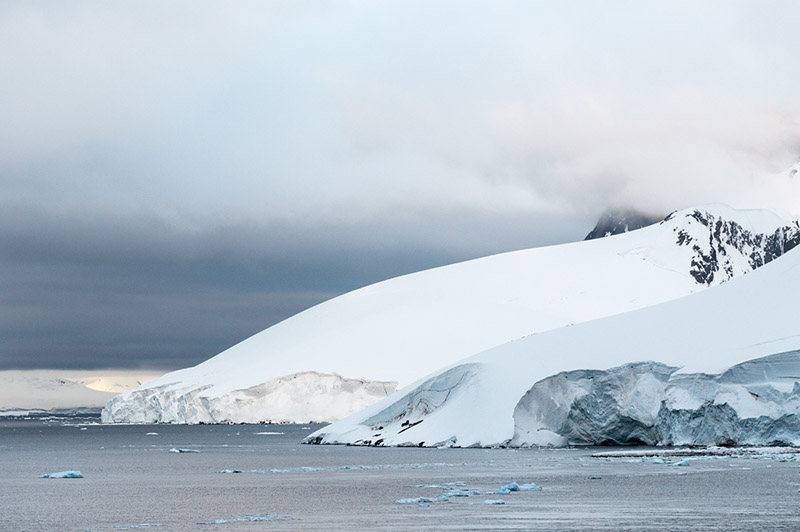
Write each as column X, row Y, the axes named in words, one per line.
column 177, row 176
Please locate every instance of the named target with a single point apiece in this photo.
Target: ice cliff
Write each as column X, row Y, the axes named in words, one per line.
column 304, row 397
column 753, row 403
column 403, row 328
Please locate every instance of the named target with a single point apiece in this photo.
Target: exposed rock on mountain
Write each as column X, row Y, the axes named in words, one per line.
column 617, row 221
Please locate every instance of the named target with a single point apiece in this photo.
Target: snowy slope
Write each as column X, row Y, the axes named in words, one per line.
column 688, row 372
column 400, row 329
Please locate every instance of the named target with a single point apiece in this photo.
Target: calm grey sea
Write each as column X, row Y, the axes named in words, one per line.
column 132, row 481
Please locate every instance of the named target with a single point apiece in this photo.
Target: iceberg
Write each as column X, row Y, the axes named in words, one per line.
column 176, row 450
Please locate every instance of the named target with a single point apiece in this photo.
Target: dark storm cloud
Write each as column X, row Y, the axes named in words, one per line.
column 176, row 176
column 135, row 293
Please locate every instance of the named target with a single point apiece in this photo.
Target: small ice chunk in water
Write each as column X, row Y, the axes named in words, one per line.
column 250, row 519
column 130, row 527
column 682, row 463
column 422, row 500
column 505, row 490
column 658, row 460
column 63, row 474
column 494, row 501
column 152, row 434
column 176, row 450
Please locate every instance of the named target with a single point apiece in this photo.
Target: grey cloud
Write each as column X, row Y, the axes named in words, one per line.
column 120, row 292
column 159, row 161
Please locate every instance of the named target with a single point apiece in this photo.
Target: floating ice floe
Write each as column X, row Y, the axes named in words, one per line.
column 251, row 519
column 127, row 527
column 421, row 500
column 444, row 485
column 505, row 490
column 176, row 450
column 682, row 463
column 63, row 474
column 268, row 433
column 453, row 492
column 458, row 492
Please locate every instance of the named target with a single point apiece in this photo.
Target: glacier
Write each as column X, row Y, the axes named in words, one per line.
column 719, row 367
column 347, row 353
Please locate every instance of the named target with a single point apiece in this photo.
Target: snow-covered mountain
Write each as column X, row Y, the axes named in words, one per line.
column 352, row 350
column 715, row 368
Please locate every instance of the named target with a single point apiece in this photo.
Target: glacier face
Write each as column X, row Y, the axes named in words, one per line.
column 727, row 373
column 753, row 403
column 403, row 328
column 326, row 397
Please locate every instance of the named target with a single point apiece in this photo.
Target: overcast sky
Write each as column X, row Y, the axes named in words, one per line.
column 176, row 176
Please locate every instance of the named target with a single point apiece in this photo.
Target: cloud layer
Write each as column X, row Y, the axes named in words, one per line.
column 176, row 177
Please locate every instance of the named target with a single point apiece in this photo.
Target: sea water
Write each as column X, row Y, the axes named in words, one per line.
column 259, row 477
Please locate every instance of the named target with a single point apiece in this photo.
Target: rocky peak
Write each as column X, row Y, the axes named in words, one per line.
column 616, row 221
column 722, row 248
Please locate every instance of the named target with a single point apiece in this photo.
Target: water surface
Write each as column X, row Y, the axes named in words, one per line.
column 131, row 479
